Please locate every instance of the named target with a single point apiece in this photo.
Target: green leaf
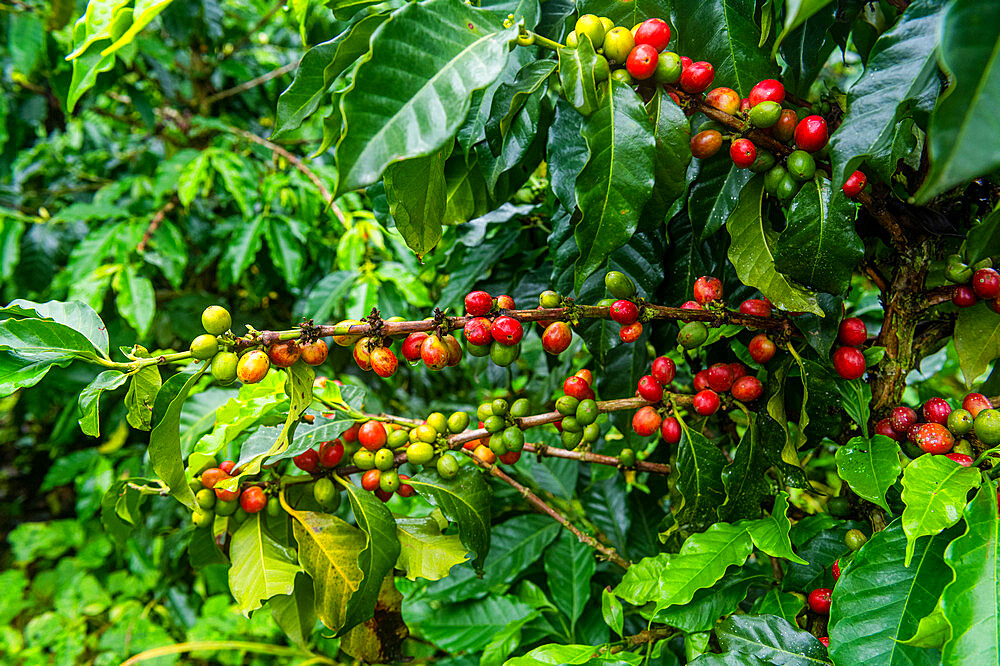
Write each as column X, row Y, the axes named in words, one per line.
column 752, row 253
column 983, row 239
column 26, row 40
column 879, row 599
column 771, row 534
column 714, row 195
column 819, row 247
column 243, row 247
column 672, row 132
column 901, row 72
column 136, row 300
column 618, row 179
column 709, row 604
column 672, row 579
column 391, row 113
column 576, row 74
column 88, row 59
column 934, row 492
column 797, row 12
column 464, row 500
column 611, row 611
column 44, row 340
column 142, row 393
column 378, row 556
column 510, row 98
column 977, row 340
column 465, row 626
column 326, row 296
column 963, row 136
column 195, row 176
column 317, row 70
column 699, row 479
column 971, row 602
column 771, row 639
column 724, row 33
column 295, row 612
column 90, row 398
column 424, row 551
column 782, row 604
column 745, row 478
column 11, row 232
column 417, row 196
column 78, row 316
column 521, row 151
column 566, row 153
column 165, row 440
column 869, row 466
column 569, row 566
column 145, row 12
column 237, row 177
column 933, row 631
column 261, row 567
column 856, row 398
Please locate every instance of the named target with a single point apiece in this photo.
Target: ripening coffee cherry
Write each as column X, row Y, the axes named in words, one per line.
column 697, row 76
column 986, row 283
column 934, row 438
column 641, row 62
column 434, row 352
column 959, row 422
column 646, row 421
column 706, row 402
column 383, row 362
column 743, row 153
column 370, row 479
column 226, row 495
column 975, row 403
column 454, row 349
column 811, row 133
column 631, row 332
column 707, row 289
column 819, row 600
column 557, row 337
column 331, row 453
column 747, row 389
column 706, row 144
column 315, row 352
column 987, row 427
column 964, row 296
column 655, row 32
column 692, row 334
column 884, row 427
column 852, row 332
column 726, row 100
column 577, row 387
column 586, row 375
column 211, row 476
column 252, row 366
column 307, row 461
column 668, row 71
column 411, row 346
column 768, row 90
column 700, row 380
column 849, row 363
column 936, row 410
column 759, row 307
column 854, row 184
column 477, row 331
column 624, row 312
column 784, row 129
column 505, row 302
column 284, row 354
column 478, row 303
column 765, row 114
column 216, row 320
column 650, row 389
column 507, row 331
column 346, row 340
column 372, row 435
column 670, row 430
column 762, row 348
column 485, row 454
column 253, row 499
column 224, row 367
column 204, row 347
column 618, row 43
column 664, row 370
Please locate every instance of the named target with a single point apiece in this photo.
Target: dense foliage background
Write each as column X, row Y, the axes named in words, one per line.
column 150, row 182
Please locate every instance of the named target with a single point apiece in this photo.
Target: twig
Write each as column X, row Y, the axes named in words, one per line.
column 610, row 553
column 252, row 83
column 643, row 637
column 588, row 457
column 254, row 30
column 155, row 223
column 937, row 296
column 776, row 568
column 873, row 274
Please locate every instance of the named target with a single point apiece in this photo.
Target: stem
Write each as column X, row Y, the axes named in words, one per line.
column 545, row 42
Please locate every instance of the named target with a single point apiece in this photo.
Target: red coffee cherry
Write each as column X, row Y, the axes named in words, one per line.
column 825, row 640
column 706, row 402
column 762, row 348
column 253, row 499
column 477, row 331
column 884, row 427
column 227, row 495
column 505, row 302
column 586, row 375
column 383, row 362
column 227, row 466
column 630, row 333
column 411, row 346
column 478, row 303
column 454, row 349
column 284, row 354
column 964, row 296
column 738, row 370
column 557, row 337
column 701, row 380
column 664, row 370
column 706, row 144
column 986, row 283
column 975, row 403
column 692, row 305
column 655, row 32
column 510, row 457
column 405, row 489
column 307, row 461
column 902, row 418
column 507, row 331
column 852, row 332
column 370, row 479
column 252, row 366
column 362, row 355
column 936, row 410
column 578, row 388
column 726, row 100
column 685, row 62
column 743, row 153
column 315, row 352
column 382, row 494
column 697, row 76
column 624, row 312
column 819, row 600
column 960, row 458
column 331, row 453
column 720, row 377
column 351, row 434
column 849, row 362
column 211, row 476
column 646, row 421
column 759, row 307
column 372, row 435
column 650, row 389
column 854, row 184
column 670, row 430
column 747, row 389
column 434, row 352
column 934, row 438
column 768, row 90
column 641, row 62
column 707, row 289
column 835, row 570
column 811, row 133
column 745, row 105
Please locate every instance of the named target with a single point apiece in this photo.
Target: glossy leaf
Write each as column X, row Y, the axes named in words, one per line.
column 901, row 72
column 879, row 600
column 468, row 625
column 566, row 154
column 392, row 114
column 714, row 194
column 261, row 567
column 141, row 394
column 576, row 73
column 510, row 98
column 618, row 179
column 771, row 639
column 770, row 534
column 745, row 478
column 709, row 604
column 971, row 603
column 699, row 479
column 379, row 640
column 672, row 132
column 164, row 440
column 964, row 131
column 464, row 500
column 424, row 551
column 983, row 238
column 753, row 253
column 78, row 316
column 797, row 12
column 819, row 247
column 136, row 300
column 934, row 492
column 569, row 566
column 44, row 340
column 869, row 466
column 782, row 604
column 977, row 340
column 416, row 192
column 90, row 397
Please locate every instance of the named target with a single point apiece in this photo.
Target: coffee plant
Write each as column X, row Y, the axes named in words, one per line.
column 748, row 419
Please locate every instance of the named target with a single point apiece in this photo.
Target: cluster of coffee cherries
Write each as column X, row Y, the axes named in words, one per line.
column 820, row 599
column 505, row 440
column 217, row 345
column 623, row 307
column 848, row 361
column 578, row 409
column 213, row 500
column 649, row 419
column 374, row 353
column 944, row 430
column 490, row 332
column 979, row 281
column 556, row 335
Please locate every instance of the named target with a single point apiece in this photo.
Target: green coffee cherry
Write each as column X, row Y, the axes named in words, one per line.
column 477, row 350
column 773, row 178
column 520, row 408
column 458, row 422
column 397, row 438
column 788, row 188
column 438, row 421
column 960, row 422
column 216, row 320
column 363, row 459
column 566, row 405
column 388, row 482
column 801, row 165
column 326, row 494
column 692, row 335
column 202, row 518
column 570, row 424
column 227, row 507
column 204, row 347
column 591, row 433
column 224, row 367
column 513, row 438
column 571, row 439
column 447, row 466
column 765, row 114
column 420, row 453
column 586, row 412
column 549, row 299
column 383, row 459
column 503, row 355
column 494, row 424
column 855, row 539
column 499, row 407
column 484, row 411
column 205, row 498
column 765, row 162
column 626, row 457
column 619, row 285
